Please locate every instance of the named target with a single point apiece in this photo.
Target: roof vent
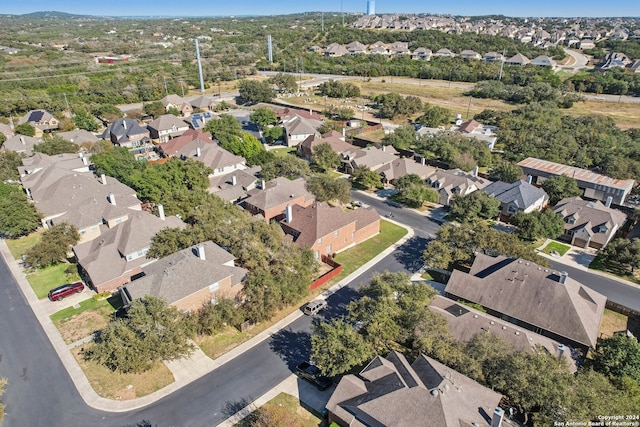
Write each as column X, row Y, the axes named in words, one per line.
column 504, row 328
column 475, row 316
column 492, row 323
column 434, row 392
column 517, row 332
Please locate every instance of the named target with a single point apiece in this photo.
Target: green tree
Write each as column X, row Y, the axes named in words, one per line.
column 327, row 188
column 25, row 129
column 225, row 129
column 432, row 338
column 403, row 138
column 263, row 117
column 53, row 247
column 173, row 111
column 213, row 318
column 288, row 166
column 252, row 91
column 3, row 138
column 343, row 113
column 535, row 225
column 118, row 163
column 110, row 112
column 336, row 89
column 85, row 120
column 560, row 187
column 325, row 158
column 10, row 161
column 151, row 332
column 622, row 253
column 56, row 145
column 506, row 172
column 273, row 134
column 413, row 191
column 393, row 104
column 284, row 83
column 18, row 216
column 434, row 116
column 336, row 347
column 474, row 206
column 366, row 178
column 155, row 109
column 618, row 356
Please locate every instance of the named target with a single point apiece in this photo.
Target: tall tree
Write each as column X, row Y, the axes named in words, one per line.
column 252, row 91
column 325, row 158
column 288, row 166
column 402, row 138
column 336, row 347
column 534, row 225
column 56, row 145
column 474, row 206
column 53, row 246
column 624, row 253
column 366, row 178
column 10, row 161
column 327, row 188
column 560, row 187
column 618, row 356
column 506, row 172
column 434, row 116
column 18, row 216
column 263, row 117
column 284, row 83
column 25, row 129
column 85, row 120
column 225, row 128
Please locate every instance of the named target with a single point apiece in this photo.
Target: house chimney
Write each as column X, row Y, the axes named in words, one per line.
column 22, row 140
column 561, row 349
column 475, row 171
column 161, row 212
column 423, row 161
column 310, row 112
column 85, row 161
column 289, row 214
column 198, row 152
column 234, row 180
column 563, row 277
column 384, row 147
column 263, row 185
column 103, row 179
column 124, row 124
column 608, row 202
column 529, row 179
column 112, row 198
column 200, row 251
column 498, row 414
column 344, row 132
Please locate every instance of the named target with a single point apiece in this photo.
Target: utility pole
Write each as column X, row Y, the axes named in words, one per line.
column 166, row 90
column 66, row 102
column 501, row 64
column 199, row 67
column 322, row 21
column 342, row 12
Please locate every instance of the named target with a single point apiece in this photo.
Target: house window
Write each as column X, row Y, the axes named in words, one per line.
column 214, row 287
column 220, row 169
column 571, row 220
column 569, row 232
column 335, row 233
column 328, row 249
column 320, row 241
column 511, row 210
column 316, row 255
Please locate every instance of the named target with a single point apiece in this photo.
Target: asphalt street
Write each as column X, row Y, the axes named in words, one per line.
column 40, row 393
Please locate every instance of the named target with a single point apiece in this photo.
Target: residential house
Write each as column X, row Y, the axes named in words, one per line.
column 517, row 59
column 190, row 278
column 221, row 161
column 21, row 144
column 470, row 54
column 465, row 322
column 444, row 52
column 543, row 61
column 79, row 137
column 614, row 60
column 65, row 163
column 378, row 48
column 173, row 147
column 393, row 392
column 492, row 57
column 333, row 138
column 585, row 44
column 120, row 252
column 335, row 50
column 328, row 230
column 404, row 166
column 41, row 120
column 518, row 196
column 371, row 157
column 532, row 297
column 234, row 187
column 6, row 130
column 204, row 103
column 197, row 121
column 595, row 185
column 422, row 53
column 588, row 223
column 126, row 132
column 167, row 127
column 356, row 48
column 298, row 128
column 399, row 48
column 174, row 101
column 271, row 199
column 634, row 66
column 454, row 183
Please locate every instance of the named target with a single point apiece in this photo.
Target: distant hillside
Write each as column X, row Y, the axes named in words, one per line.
column 52, row 14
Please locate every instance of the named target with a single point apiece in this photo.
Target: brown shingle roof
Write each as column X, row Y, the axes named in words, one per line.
column 278, row 192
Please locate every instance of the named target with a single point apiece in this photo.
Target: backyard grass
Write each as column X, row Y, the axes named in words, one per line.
column 118, row 386
column 292, row 411
column 556, row 247
column 359, row 255
column 91, row 316
column 612, row 322
column 19, row 247
column 43, row 280
column 283, row 152
column 373, row 137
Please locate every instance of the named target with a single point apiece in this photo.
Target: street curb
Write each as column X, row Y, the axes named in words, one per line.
column 81, row 382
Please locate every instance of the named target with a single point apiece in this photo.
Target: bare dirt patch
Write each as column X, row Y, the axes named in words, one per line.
column 82, row 325
column 612, row 322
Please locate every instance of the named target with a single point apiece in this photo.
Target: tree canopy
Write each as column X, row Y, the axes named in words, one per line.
column 560, row 187
column 365, row 177
column 327, row 188
column 434, row 116
column 325, row 158
column 393, row 104
column 288, row 166
column 284, row 83
column 263, row 117
column 56, row 145
column 253, row 91
column 18, row 216
column 53, row 247
column 474, row 206
column 617, row 357
column 538, row 224
column 624, row 253
column 337, row 89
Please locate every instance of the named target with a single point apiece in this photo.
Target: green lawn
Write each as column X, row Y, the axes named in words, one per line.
column 353, row 258
column 286, row 408
column 284, row 151
column 556, row 247
column 18, row 247
column 91, row 316
column 43, row 280
column 112, row 303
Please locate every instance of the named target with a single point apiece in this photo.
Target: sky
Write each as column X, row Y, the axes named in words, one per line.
column 568, row 8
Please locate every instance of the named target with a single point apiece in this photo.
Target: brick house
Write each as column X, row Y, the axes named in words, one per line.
column 328, row 230
column 271, row 199
column 190, row 278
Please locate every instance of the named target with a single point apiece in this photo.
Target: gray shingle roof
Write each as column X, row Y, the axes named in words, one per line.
column 519, row 193
column 532, row 294
column 278, row 192
column 590, row 217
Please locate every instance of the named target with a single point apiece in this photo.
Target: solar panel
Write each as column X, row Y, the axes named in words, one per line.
column 36, row 116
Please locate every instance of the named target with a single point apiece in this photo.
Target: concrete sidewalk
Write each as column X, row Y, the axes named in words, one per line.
column 185, row 371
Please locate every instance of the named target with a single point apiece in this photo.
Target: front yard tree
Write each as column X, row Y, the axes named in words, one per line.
column 328, row 188
column 560, row 187
column 402, row 138
column 25, row 129
column 10, row 161
column 288, row 166
column 155, row 109
column 434, row 116
column 18, row 216
column 325, row 158
column 54, row 246
column 273, row 134
column 366, row 178
column 263, row 117
column 252, row 91
column 85, row 120
column 624, row 253
column 474, row 206
column 534, row 225
column 336, row 347
column 617, row 357
column 151, row 332
column 224, row 129
column 413, row 191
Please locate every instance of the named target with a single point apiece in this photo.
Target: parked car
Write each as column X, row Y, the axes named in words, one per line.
column 57, row 294
column 314, row 307
column 312, row 373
